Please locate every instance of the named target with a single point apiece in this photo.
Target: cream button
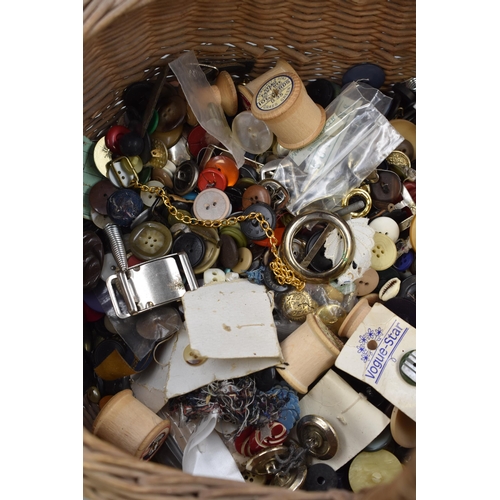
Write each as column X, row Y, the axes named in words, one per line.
column 384, row 252
column 244, row 260
column 211, row 204
column 150, row 240
column 387, row 226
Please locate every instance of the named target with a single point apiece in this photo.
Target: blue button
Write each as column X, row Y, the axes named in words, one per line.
column 124, row 206
column 405, row 261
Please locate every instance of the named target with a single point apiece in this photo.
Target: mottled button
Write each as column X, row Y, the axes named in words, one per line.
column 99, row 194
column 150, row 240
column 211, row 204
column 384, row 252
column 185, row 177
column 388, row 188
column 123, row 206
column 255, row 194
column 211, row 178
column 387, row 226
column 251, row 228
column 367, row 283
column 227, row 166
column 229, row 255
column 192, row 244
column 253, row 134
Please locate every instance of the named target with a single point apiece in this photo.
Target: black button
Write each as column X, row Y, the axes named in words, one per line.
column 321, row 91
column 266, row 379
column 321, row 477
column 192, row 244
column 131, row 144
column 251, row 228
column 369, row 73
column 271, row 282
column 247, row 170
column 406, row 309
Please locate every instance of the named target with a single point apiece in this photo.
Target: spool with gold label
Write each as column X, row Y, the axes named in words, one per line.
column 284, row 105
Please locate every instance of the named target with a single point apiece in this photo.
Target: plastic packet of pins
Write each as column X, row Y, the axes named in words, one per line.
column 355, row 140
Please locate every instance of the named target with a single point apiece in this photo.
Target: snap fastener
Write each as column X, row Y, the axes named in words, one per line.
column 278, row 193
column 384, row 252
column 211, row 204
column 318, row 436
column 339, row 267
column 150, row 240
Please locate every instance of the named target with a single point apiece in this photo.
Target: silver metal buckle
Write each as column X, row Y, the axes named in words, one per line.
column 151, row 284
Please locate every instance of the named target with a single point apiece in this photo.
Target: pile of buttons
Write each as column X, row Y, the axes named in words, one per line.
column 191, row 176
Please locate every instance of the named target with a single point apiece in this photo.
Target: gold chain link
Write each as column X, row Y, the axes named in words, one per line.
column 284, row 275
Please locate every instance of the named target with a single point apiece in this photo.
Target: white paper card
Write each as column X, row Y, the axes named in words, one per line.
column 172, row 376
column 231, row 320
column 355, row 420
column 373, row 354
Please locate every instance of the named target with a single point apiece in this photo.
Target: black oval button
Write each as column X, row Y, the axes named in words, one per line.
column 192, row 244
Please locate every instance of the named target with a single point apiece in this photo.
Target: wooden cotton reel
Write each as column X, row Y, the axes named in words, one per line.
column 130, row 425
column 251, row 88
column 285, row 106
column 308, row 351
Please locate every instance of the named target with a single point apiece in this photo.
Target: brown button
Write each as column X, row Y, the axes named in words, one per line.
column 388, row 188
column 171, row 114
column 93, row 256
column 367, row 283
column 99, row 194
column 255, row 194
column 229, row 255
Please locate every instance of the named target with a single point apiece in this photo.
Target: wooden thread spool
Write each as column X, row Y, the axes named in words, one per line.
column 403, row 429
column 308, row 351
column 284, row 105
column 131, row 426
column 251, row 88
column 355, row 317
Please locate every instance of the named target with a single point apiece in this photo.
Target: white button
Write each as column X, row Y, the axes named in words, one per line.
column 211, row 204
column 213, row 275
column 387, row 226
column 149, row 198
column 99, row 220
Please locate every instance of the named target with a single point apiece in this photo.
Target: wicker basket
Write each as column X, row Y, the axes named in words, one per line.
column 129, row 40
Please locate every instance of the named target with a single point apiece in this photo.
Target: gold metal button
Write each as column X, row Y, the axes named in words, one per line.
column 297, row 305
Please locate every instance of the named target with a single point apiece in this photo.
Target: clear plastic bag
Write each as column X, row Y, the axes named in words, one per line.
column 355, row 140
column 202, row 99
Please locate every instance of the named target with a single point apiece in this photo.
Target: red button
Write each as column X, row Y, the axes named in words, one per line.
column 198, row 139
column 226, row 166
column 112, row 137
column 211, row 178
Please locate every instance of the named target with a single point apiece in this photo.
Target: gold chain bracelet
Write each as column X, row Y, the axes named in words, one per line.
column 284, row 275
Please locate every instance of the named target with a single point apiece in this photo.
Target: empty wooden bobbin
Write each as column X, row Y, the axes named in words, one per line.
column 308, row 351
column 131, row 426
column 285, row 106
column 355, row 317
column 225, row 92
column 251, row 88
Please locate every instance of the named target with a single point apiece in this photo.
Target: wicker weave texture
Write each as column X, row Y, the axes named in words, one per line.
column 128, row 41
column 125, row 41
